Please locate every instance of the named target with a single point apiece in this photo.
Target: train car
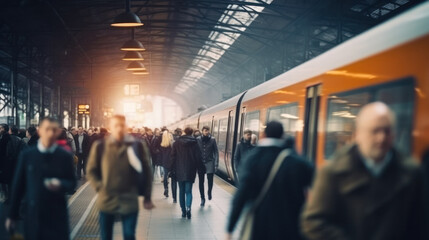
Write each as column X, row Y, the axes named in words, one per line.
column 317, row 102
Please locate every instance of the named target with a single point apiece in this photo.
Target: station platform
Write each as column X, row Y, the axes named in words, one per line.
column 163, row 222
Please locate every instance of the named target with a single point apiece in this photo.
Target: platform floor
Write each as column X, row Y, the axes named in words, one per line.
column 164, row 222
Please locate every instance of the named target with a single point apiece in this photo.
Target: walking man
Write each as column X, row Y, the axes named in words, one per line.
column 186, row 160
column 82, row 142
column 44, row 174
column 275, row 212
column 369, row 191
column 210, row 159
column 10, row 147
column 118, row 169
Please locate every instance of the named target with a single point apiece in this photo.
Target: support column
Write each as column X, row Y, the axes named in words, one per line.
column 41, row 101
column 28, row 107
column 59, row 104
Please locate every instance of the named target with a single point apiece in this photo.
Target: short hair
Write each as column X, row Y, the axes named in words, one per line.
column 118, row 117
column 95, row 129
column 274, row 130
column 247, row 131
column 188, row 131
column 5, row 126
column 79, row 126
column 103, row 130
column 14, row 130
column 205, row 127
column 32, row 131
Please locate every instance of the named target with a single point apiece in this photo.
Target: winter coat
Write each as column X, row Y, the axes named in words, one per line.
column 45, row 212
column 242, row 149
column 165, row 157
column 277, row 217
column 209, row 153
column 114, row 179
column 85, row 145
column 347, row 202
column 10, row 149
column 186, row 158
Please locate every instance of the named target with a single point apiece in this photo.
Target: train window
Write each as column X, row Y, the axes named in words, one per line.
column 343, row 108
column 287, row 115
column 223, row 128
column 252, row 122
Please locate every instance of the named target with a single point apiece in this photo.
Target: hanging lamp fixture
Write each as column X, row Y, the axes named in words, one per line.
column 127, row 18
column 132, row 45
column 141, row 72
column 132, row 56
column 136, row 66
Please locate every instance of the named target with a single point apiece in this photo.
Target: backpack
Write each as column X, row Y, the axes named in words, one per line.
column 137, row 147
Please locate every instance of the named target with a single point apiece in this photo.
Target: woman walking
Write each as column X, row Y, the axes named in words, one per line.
column 166, row 162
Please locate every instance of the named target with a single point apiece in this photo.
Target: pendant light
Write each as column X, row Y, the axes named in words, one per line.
column 127, row 18
column 141, row 72
column 136, row 66
column 132, row 56
column 132, row 45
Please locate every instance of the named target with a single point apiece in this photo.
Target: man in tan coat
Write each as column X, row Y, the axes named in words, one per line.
column 369, row 191
column 113, row 170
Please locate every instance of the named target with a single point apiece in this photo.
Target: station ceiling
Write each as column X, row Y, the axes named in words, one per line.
column 196, row 49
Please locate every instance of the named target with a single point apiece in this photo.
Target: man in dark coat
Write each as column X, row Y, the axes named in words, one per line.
column 32, row 136
column 44, row 174
column 82, row 141
column 243, row 148
column 210, row 159
column 186, row 161
column 10, row 147
column 277, row 217
column 369, row 190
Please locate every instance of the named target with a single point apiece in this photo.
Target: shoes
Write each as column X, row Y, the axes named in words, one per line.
column 183, row 214
column 210, row 196
column 174, row 200
column 166, row 193
column 188, row 213
column 203, row 202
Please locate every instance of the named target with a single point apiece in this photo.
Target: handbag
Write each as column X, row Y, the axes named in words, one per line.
column 246, row 232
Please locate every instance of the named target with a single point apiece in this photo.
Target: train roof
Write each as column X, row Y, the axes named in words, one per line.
column 401, row 29
column 406, row 27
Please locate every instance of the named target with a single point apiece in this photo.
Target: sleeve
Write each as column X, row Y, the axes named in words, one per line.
column 245, row 192
column 147, row 169
column 317, row 218
column 18, row 188
column 93, row 167
column 73, row 145
column 216, row 153
column 418, row 221
column 68, row 183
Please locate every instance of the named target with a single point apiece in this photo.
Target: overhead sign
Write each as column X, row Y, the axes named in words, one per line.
column 83, row 109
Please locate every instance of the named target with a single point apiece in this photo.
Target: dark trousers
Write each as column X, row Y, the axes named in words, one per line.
column 185, row 195
column 210, row 177
column 129, row 223
column 173, row 183
column 81, row 165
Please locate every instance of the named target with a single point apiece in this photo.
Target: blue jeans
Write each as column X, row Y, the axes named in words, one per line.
column 185, row 190
column 129, row 223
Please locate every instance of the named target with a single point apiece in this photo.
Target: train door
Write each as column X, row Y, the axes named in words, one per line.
column 312, row 104
column 229, row 144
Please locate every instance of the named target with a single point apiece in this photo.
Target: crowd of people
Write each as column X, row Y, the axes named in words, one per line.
column 368, row 191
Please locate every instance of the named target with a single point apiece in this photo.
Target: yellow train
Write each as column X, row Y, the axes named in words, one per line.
column 318, row 100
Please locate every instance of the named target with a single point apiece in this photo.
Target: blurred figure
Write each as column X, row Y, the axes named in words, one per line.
column 82, row 143
column 186, row 158
column 10, row 147
column 114, row 170
column 165, row 156
column 276, row 205
column 177, row 133
column 62, row 141
column 369, row 190
column 197, row 133
column 32, row 136
column 243, row 148
column 103, row 134
column 210, row 159
column 44, row 174
column 73, row 131
column 254, row 140
column 155, row 152
column 22, row 134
